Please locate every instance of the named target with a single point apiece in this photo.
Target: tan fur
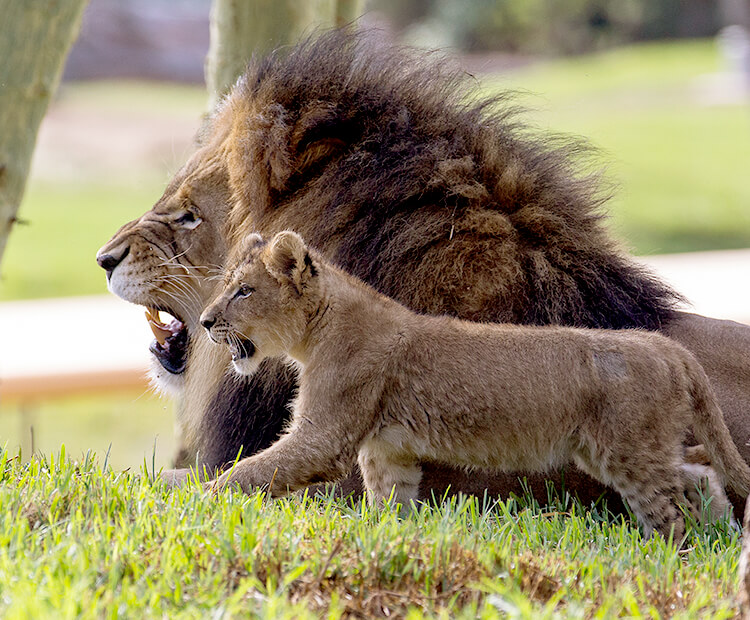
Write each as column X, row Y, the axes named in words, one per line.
column 388, row 387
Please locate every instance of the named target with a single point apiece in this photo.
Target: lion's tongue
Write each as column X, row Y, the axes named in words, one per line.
column 161, row 331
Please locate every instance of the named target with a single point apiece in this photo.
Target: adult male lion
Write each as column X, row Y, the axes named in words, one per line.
column 391, row 166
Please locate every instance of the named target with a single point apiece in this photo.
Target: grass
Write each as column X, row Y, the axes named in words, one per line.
column 53, row 254
column 129, row 427
column 79, row 540
column 130, row 98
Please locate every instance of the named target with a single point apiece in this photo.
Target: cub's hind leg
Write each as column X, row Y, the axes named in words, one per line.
column 388, row 471
column 656, row 502
column 651, row 485
column 701, row 481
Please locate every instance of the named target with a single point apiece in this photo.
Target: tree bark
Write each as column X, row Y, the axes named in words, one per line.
column 35, row 37
column 241, row 28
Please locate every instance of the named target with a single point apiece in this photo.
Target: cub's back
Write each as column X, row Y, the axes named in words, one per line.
column 521, row 369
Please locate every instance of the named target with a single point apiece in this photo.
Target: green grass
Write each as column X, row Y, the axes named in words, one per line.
column 78, row 540
column 129, row 97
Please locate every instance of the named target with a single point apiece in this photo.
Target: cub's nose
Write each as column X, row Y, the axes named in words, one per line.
column 208, row 322
column 109, row 260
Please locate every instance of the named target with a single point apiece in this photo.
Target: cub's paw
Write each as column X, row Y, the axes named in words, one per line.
column 175, row 478
column 235, row 479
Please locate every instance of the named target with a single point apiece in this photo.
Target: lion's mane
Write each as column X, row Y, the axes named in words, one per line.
column 390, row 155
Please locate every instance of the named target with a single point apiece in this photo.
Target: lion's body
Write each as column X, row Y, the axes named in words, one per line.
column 392, row 387
column 450, row 207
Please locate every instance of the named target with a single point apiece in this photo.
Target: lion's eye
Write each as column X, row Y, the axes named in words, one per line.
column 244, row 291
column 188, row 220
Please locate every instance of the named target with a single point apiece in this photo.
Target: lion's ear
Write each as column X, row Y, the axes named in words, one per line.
column 318, row 135
column 320, row 150
column 290, row 146
column 288, row 260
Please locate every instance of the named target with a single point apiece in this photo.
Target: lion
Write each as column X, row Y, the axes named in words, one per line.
column 397, row 169
column 387, row 387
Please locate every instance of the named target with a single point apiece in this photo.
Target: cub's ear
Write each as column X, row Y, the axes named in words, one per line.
column 249, row 243
column 288, row 260
column 242, row 248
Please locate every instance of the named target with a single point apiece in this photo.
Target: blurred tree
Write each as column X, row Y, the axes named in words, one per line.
column 241, row 28
column 403, row 13
column 35, row 36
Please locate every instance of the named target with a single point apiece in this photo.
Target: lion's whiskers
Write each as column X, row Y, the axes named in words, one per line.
column 191, row 295
column 186, row 305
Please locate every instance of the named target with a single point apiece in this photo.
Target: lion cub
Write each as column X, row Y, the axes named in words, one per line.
column 389, row 387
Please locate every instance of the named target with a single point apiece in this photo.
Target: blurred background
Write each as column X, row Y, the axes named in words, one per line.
column 661, row 87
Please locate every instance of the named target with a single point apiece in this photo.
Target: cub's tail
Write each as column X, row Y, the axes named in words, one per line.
column 710, row 429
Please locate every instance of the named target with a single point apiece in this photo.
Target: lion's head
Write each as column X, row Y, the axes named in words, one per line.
column 165, row 259
column 383, row 158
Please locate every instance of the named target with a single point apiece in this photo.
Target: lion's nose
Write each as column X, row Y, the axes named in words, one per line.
column 109, row 261
column 208, row 322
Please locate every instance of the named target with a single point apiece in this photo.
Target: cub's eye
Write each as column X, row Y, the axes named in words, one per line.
column 244, row 291
column 188, row 220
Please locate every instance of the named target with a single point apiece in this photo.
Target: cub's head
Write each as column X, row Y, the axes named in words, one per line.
column 271, row 291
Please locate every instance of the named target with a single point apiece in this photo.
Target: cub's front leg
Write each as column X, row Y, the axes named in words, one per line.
column 388, row 471
column 308, row 453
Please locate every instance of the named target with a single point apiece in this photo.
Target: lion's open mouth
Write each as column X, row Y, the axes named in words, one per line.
column 242, row 349
column 171, row 341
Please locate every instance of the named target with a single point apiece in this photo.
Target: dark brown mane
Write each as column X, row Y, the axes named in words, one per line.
column 399, row 169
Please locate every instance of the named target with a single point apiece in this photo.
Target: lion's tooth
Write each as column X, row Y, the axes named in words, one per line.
column 160, row 332
column 152, row 314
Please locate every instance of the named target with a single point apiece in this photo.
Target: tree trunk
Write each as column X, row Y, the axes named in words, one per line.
column 35, row 37
column 241, row 28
